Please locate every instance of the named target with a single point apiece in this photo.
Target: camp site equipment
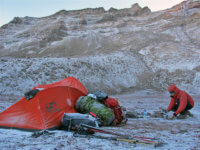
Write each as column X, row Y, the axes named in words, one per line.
column 46, row 109
column 120, row 115
column 37, row 134
column 121, row 137
column 132, row 141
column 86, row 104
column 72, row 120
column 100, row 96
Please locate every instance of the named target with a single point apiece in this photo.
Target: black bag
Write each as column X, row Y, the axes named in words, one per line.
column 101, row 96
column 72, row 121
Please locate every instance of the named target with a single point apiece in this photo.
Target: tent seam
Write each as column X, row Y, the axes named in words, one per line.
column 41, row 117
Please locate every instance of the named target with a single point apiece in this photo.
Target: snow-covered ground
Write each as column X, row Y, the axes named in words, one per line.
column 178, row 134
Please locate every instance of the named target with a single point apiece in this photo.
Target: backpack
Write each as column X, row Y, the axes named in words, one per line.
column 86, row 104
column 72, row 121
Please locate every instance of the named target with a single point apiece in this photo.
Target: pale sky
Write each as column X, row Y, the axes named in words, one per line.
column 40, row 8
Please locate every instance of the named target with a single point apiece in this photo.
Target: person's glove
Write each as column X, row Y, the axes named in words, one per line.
column 174, row 116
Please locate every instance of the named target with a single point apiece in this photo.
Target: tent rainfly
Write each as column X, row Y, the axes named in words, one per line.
column 46, row 109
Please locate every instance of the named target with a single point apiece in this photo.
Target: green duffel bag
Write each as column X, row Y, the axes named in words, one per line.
column 87, row 104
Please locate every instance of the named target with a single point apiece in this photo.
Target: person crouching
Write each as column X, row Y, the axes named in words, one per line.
column 181, row 101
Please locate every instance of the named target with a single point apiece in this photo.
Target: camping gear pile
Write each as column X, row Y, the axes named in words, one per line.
column 66, row 104
column 43, row 107
column 92, row 105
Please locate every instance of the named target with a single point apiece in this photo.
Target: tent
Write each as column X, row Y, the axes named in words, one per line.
column 46, row 108
column 69, row 81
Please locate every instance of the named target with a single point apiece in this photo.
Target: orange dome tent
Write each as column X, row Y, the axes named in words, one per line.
column 69, row 81
column 46, row 108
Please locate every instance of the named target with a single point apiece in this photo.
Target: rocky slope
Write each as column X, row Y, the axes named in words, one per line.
column 114, row 51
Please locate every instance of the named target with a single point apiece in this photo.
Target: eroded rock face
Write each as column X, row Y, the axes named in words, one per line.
column 119, row 50
column 33, row 36
column 16, row 20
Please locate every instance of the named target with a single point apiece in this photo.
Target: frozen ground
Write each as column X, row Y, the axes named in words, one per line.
column 179, row 134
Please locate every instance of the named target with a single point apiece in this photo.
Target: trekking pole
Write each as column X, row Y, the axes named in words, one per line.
column 110, row 132
column 132, row 141
column 101, row 130
column 114, row 133
column 124, row 137
column 142, row 137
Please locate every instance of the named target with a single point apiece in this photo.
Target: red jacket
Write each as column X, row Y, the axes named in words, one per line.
column 180, row 96
column 114, row 105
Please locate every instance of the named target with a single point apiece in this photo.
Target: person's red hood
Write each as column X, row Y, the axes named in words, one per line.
column 173, row 87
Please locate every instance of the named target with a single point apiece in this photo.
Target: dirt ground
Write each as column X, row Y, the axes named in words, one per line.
column 177, row 134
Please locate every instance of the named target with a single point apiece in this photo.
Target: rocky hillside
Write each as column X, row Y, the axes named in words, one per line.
column 114, row 51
